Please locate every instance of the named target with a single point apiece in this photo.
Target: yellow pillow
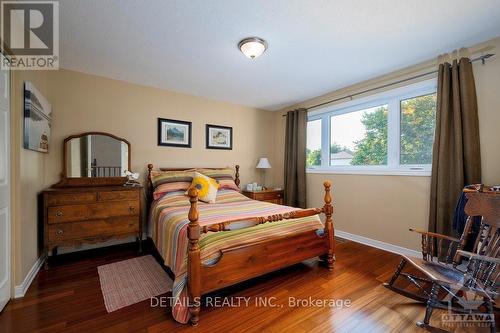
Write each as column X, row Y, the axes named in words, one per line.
column 207, row 187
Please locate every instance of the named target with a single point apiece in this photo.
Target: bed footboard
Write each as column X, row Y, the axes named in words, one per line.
column 291, row 250
column 242, row 262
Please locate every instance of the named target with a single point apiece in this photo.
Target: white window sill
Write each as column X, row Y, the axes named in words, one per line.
column 379, row 172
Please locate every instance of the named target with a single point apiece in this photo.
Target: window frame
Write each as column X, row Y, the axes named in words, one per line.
column 393, row 99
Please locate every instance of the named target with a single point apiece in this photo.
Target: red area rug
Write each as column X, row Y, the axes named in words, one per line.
column 132, row 281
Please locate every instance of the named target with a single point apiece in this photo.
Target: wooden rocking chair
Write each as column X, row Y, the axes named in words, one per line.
column 445, row 285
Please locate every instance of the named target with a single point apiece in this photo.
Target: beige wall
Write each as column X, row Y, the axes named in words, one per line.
column 83, row 103
column 384, row 207
column 28, row 172
column 90, row 103
column 488, row 99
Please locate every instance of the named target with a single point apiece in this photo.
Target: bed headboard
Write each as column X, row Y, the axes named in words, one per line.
column 150, row 184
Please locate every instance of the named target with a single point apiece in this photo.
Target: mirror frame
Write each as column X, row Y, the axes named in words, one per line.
column 87, row 181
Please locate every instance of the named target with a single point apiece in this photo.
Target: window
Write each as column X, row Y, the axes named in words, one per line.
column 359, row 137
column 388, row 133
column 313, row 151
column 418, row 119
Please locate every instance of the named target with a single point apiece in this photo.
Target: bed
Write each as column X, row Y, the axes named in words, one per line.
column 213, row 246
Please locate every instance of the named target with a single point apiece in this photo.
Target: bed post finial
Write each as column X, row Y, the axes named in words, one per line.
column 237, row 176
column 194, row 261
column 329, row 232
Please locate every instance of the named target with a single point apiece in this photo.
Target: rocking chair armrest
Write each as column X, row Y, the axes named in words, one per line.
column 433, row 234
column 478, row 257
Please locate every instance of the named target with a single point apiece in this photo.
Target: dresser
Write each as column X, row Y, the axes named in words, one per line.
column 82, row 215
column 270, row 195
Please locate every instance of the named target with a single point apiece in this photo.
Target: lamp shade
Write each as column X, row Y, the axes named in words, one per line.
column 263, row 163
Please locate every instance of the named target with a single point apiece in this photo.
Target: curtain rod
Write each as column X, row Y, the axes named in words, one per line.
column 481, row 58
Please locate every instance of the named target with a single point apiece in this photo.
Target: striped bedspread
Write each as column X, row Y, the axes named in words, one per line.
column 168, row 229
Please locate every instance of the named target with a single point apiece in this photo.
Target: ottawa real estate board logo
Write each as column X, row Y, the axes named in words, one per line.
column 30, row 35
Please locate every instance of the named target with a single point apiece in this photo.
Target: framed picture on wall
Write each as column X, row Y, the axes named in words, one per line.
column 174, row 133
column 219, row 137
column 37, row 119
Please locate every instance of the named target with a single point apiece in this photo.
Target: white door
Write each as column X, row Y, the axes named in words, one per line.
column 4, row 187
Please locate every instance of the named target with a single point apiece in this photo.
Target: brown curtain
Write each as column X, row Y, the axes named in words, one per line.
column 295, row 158
column 456, row 159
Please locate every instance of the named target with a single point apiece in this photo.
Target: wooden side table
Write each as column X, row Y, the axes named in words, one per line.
column 270, row 195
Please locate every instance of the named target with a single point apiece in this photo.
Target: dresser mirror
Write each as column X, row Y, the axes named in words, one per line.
column 94, row 159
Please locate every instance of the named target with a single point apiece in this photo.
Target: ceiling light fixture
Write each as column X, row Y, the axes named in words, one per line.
column 252, row 47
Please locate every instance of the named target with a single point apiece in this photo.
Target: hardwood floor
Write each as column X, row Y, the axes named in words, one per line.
column 67, row 298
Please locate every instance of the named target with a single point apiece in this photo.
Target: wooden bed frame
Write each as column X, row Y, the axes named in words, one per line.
column 240, row 263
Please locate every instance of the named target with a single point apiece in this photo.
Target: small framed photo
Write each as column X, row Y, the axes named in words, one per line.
column 219, row 137
column 174, row 133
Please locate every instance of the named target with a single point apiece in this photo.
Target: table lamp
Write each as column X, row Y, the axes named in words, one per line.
column 263, row 164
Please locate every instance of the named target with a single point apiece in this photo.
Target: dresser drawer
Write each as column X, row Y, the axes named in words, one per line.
column 275, row 201
column 118, row 195
column 70, row 198
column 94, row 211
column 88, row 229
column 268, row 196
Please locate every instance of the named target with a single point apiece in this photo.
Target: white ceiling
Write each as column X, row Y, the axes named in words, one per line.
column 315, row 46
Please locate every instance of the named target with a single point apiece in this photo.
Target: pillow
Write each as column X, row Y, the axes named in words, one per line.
column 162, row 189
column 227, row 184
column 207, row 187
column 168, row 181
column 224, row 176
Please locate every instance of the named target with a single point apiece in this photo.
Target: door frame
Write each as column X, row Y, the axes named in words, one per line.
column 8, row 185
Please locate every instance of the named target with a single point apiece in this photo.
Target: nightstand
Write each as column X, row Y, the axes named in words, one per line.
column 271, row 195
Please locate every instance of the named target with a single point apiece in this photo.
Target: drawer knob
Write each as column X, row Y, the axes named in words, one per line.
column 59, row 213
column 59, row 232
column 131, row 209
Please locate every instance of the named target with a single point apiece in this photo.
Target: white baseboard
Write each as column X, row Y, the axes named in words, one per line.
column 20, row 290
column 3, row 304
column 376, row 243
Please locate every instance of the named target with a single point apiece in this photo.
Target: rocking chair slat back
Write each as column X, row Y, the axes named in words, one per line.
column 484, row 204
column 487, row 205
column 485, row 274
